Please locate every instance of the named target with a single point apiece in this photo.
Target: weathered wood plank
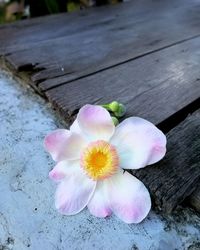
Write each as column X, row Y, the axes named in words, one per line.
column 91, row 43
column 194, row 199
column 177, row 175
column 154, row 87
column 28, row 32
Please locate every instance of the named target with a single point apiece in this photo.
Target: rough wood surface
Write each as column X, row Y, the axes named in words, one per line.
column 194, row 199
column 175, row 177
column 72, row 46
column 155, row 87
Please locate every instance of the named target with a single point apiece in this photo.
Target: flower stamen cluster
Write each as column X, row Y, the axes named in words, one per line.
column 100, row 160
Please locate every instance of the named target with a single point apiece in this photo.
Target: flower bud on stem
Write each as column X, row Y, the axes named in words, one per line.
column 121, row 111
column 115, row 120
column 116, row 109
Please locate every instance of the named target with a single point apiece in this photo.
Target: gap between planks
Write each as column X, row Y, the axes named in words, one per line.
column 155, row 87
column 114, row 65
column 177, row 176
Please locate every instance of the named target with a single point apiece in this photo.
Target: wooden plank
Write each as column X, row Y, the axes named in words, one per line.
column 155, row 87
column 176, row 177
column 117, row 35
column 194, row 199
column 28, row 32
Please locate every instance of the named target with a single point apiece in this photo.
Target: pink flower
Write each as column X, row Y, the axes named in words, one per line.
column 90, row 160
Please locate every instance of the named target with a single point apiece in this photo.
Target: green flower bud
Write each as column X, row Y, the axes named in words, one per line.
column 121, row 111
column 115, row 120
column 114, row 106
column 106, row 106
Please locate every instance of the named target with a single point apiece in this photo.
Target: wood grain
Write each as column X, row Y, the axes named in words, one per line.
column 155, row 87
column 194, row 199
column 87, row 42
column 176, row 177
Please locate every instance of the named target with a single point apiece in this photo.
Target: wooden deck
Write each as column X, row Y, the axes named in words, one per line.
column 145, row 54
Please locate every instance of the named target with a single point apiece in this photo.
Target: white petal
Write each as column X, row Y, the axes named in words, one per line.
column 62, row 170
column 98, row 205
column 128, row 197
column 74, row 193
column 139, row 143
column 63, row 144
column 95, row 122
column 75, row 127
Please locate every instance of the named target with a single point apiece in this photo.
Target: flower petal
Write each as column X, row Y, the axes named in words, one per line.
column 139, row 143
column 75, row 127
column 128, row 197
column 74, row 193
column 62, row 169
column 63, row 144
column 95, row 122
column 98, row 205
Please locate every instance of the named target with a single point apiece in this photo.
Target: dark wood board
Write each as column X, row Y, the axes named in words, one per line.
column 194, row 198
column 97, row 39
column 31, row 31
column 176, row 177
column 155, row 87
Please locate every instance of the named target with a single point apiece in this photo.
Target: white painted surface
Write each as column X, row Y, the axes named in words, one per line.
column 28, row 219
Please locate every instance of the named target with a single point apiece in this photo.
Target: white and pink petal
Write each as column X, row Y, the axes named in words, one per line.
column 63, row 169
column 139, row 143
column 75, row 127
column 95, row 122
column 74, row 193
column 98, row 205
column 128, row 198
column 64, row 145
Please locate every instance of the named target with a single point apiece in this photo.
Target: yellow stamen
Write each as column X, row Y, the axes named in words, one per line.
column 100, row 160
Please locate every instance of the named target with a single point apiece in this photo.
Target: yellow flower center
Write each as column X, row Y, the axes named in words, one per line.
column 100, row 160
